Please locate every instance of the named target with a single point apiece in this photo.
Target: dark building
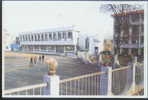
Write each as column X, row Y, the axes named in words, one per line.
column 130, row 38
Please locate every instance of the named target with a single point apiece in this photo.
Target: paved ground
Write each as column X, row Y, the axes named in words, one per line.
column 18, row 73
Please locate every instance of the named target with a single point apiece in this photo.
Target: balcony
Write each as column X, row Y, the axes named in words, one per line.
column 58, row 42
column 131, row 46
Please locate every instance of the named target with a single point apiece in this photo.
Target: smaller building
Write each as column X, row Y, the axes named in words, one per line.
column 15, row 46
column 89, row 44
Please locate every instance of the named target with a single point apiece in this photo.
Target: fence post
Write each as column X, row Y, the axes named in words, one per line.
column 109, row 89
column 134, row 74
column 52, row 87
column 52, row 80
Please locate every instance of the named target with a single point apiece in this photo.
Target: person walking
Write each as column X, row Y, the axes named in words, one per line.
column 43, row 57
column 31, row 61
column 35, row 60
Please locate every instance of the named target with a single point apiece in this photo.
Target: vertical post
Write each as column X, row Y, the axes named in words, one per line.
column 134, row 74
column 109, row 89
column 52, row 80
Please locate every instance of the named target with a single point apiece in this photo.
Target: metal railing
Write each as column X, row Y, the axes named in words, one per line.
column 81, row 85
column 27, row 90
column 90, row 84
column 121, row 82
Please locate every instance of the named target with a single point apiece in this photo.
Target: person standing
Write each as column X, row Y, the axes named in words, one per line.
column 43, row 57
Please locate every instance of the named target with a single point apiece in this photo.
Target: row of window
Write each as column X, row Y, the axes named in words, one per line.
column 46, row 36
column 49, row 48
column 133, row 18
column 135, row 29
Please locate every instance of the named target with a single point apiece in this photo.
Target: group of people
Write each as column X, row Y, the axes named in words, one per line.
column 34, row 59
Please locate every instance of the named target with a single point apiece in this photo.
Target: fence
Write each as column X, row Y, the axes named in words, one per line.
column 28, row 90
column 82, row 85
column 114, row 82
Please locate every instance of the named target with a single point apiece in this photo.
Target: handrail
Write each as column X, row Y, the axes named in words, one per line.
column 80, row 77
column 92, row 74
column 24, row 88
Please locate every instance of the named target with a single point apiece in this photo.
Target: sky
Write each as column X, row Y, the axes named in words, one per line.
column 26, row 16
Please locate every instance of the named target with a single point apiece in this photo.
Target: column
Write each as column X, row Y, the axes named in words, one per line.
column 44, row 36
column 34, row 37
column 130, row 40
column 66, row 35
column 61, row 35
column 40, row 37
column 26, row 37
column 56, row 35
column 51, row 35
column 139, row 42
column 121, row 50
column 30, row 37
column 109, row 89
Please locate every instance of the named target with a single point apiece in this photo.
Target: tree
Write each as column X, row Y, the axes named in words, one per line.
column 123, row 22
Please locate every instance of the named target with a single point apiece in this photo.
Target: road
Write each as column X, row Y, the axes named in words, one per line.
column 18, row 73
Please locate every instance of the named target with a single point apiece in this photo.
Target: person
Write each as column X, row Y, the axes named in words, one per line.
column 31, row 60
column 43, row 58
column 40, row 58
column 35, row 60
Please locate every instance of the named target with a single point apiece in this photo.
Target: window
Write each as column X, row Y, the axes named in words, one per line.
column 24, row 37
column 59, row 36
column 38, row 37
column 87, row 43
column 142, row 28
column 35, row 37
column 69, row 48
column 42, row 37
column 32, row 37
column 135, row 17
column 45, row 36
column 142, row 39
column 54, row 36
column 142, row 17
column 28, row 37
column 135, row 30
column 50, row 36
column 70, row 35
column 64, row 35
column 117, row 29
column 51, row 48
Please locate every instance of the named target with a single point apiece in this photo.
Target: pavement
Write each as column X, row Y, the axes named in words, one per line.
column 19, row 73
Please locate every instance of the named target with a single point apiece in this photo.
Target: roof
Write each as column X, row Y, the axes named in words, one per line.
column 129, row 12
column 57, row 29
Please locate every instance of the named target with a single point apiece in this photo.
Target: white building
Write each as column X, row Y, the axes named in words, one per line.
column 89, row 44
column 50, row 41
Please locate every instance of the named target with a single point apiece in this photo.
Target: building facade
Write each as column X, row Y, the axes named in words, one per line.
column 89, row 44
column 130, row 37
column 50, row 41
